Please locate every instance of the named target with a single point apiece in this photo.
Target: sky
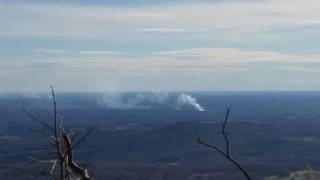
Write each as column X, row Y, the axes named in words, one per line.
column 159, row 45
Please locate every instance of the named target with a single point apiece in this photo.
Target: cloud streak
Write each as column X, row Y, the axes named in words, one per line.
column 194, row 59
column 52, row 51
column 249, row 18
column 102, row 52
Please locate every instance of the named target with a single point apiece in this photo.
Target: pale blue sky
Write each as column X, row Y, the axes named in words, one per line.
column 97, row 45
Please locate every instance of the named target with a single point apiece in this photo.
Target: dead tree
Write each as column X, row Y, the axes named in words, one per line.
column 63, row 167
column 225, row 152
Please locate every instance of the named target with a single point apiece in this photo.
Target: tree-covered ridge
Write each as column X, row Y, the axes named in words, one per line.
column 298, row 175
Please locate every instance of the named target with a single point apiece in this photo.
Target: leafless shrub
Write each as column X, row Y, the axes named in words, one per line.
column 64, row 142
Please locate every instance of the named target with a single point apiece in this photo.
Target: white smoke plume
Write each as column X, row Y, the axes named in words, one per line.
column 185, row 99
column 149, row 101
column 138, row 101
column 113, row 101
column 143, row 98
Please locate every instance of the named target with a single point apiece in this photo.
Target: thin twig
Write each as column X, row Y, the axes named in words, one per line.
column 74, row 135
column 84, row 137
column 225, row 153
column 86, row 162
column 53, row 166
column 60, row 124
column 38, row 120
column 57, row 136
column 212, row 147
column 228, row 109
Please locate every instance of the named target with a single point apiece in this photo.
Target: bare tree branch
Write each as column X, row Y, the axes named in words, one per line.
column 57, row 136
column 86, row 162
column 60, row 124
column 226, row 152
column 74, row 166
column 212, row 146
column 74, row 135
column 40, row 130
column 53, row 166
column 228, row 109
column 38, row 120
column 84, row 136
column 68, row 168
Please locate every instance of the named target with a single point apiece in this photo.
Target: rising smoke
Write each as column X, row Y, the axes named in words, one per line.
column 149, row 101
column 187, row 100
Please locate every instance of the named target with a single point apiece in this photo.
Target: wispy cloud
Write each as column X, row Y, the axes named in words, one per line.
column 188, row 69
column 74, row 53
column 77, row 43
column 236, row 56
column 153, row 15
column 226, row 19
column 185, row 60
column 170, row 30
column 102, row 52
column 55, row 51
column 290, row 68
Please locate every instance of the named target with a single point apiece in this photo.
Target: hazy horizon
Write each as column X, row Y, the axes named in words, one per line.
column 159, row 91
